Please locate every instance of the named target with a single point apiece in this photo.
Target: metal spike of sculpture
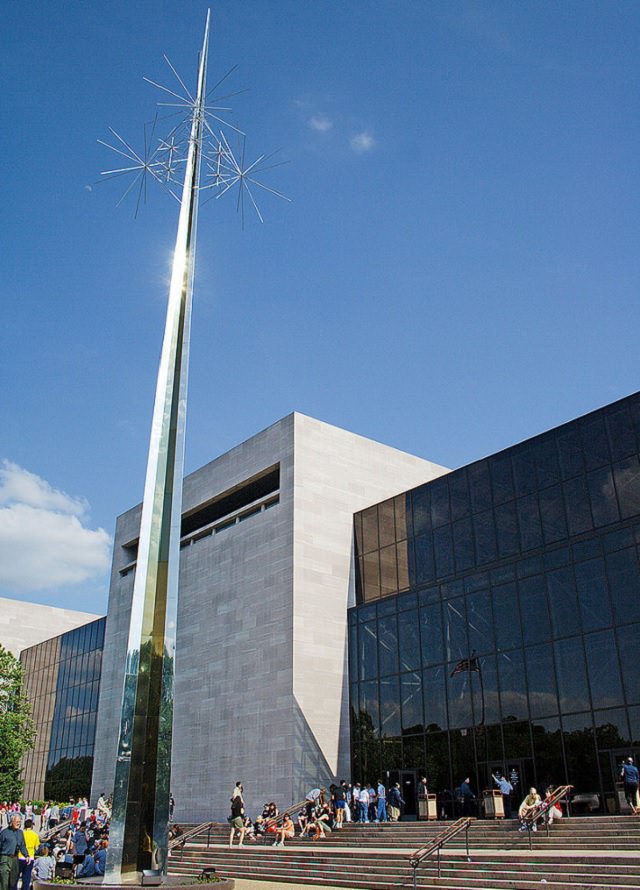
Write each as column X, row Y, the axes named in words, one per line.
column 140, row 820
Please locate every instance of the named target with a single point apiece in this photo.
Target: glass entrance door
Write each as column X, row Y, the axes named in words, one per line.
column 617, row 803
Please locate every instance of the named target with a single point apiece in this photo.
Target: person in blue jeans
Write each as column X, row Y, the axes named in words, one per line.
column 630, row 776
column 381, row 793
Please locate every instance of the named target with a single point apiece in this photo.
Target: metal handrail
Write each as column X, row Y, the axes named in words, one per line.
column 288, row 812
column 176, row 841
column 438, row 842
column 543, row 807
column 53, row 832
column 207, row 826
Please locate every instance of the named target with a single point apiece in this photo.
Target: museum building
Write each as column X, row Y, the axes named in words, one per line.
column 485, row 619
column 497, row 618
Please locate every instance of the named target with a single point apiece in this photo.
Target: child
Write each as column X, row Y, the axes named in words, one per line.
column 44, row 867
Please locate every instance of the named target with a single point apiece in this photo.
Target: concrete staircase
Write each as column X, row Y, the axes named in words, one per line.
column 589, row 852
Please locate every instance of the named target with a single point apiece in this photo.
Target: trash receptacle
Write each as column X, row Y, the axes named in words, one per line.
column 493, row 804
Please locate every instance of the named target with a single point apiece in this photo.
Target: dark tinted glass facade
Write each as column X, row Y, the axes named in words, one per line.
column 498, row 616
column 63, row 680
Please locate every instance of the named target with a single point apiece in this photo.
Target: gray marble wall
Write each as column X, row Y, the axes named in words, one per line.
column 261, row 647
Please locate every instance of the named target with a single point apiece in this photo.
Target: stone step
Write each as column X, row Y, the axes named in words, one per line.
column 477, row 838
column 376, row 857
column 333, row 864
column 317, row 875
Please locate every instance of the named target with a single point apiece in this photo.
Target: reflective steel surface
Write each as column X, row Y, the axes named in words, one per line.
column 139, row 826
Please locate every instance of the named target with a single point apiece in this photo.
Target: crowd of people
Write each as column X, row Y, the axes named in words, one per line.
column 79, row 849
column 326, row 811
column 321, row 813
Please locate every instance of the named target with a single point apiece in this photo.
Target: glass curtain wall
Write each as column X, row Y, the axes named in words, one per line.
column 63, row 679
column 498, row 610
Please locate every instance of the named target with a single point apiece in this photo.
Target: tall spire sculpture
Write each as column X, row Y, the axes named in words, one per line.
column 138, row 838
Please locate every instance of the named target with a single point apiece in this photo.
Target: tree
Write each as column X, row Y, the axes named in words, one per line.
column 17, row 733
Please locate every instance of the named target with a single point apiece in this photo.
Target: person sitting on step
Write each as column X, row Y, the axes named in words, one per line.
column 287, row 829
column 527, row 808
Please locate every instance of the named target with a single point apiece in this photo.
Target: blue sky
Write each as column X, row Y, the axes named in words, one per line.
column 458, row 268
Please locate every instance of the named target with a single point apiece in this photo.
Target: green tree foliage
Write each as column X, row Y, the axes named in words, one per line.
column 17, row 733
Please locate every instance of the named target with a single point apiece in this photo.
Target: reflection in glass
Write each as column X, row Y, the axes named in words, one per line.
column 455, row 629
column 603, row 497
column 435, row 705
column 511, row 677
column 554, row 526
column 424, row 559
column 563, row 603
column 463, row 545
column 580, row 749
column 624, row 584
column 485, row 537
column 369, row 710
column 443, row 549
column 431, row 634
column 458, row 494
column 612, row 728
column 412, row 704
column 389, row 707
column 460, row 696
column 534, row 610
column 479, row 486
column 480, row 623
column 421, row 502
column 506, row 615
column 593, row 597
column 627, row 481
column 409, row 636
column 368, row 651
column 506, row 529
column 440, row 513
column 578, row 506
column 594, row 442
column 524, row 470
column 572, row 675
column 628, row 640
column 388, row 645
column 604, row 669
column 543, row 699
column 547, row 745
column 501, row 478
column 529, row 522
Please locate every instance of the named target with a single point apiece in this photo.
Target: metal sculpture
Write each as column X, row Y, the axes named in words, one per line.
column 138, row 838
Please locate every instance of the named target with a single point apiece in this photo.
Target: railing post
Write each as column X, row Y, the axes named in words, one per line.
column 438, row 861
column 466, row 834
column 208, row 835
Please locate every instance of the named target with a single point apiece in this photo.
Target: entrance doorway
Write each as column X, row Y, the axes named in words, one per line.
column 408, row 779
column 517, row 771
column 616, row 802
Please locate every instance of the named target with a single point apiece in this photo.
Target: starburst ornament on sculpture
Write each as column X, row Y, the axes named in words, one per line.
column 138, row 838
column 163, row 158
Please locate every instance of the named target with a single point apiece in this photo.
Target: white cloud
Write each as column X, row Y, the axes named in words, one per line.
column 362, row 142
column 320, row 122
column 44, row 542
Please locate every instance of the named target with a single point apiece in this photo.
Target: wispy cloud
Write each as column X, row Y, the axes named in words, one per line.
column 44, row 540
column 363, row 142
column 320, row 122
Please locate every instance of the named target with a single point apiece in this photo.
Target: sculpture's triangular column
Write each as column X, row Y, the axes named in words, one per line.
column 139, row 827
